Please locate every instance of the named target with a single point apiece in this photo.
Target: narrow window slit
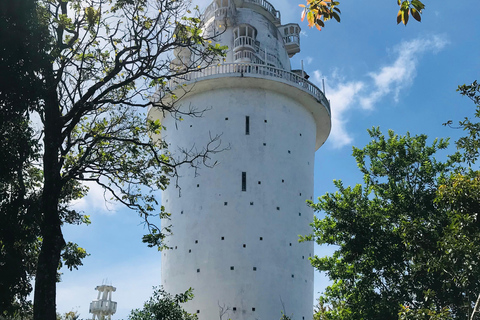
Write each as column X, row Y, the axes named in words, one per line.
column 244, row 181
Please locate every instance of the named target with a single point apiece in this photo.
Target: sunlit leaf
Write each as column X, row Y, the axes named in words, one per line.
column 415, row 14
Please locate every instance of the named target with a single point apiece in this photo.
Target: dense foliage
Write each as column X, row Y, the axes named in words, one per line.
column 408, row 237
column 164, row 306
column 95, row 64
column 20, row 59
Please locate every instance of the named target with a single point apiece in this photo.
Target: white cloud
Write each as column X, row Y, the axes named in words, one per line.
column 97, row 200
column 342, row 97
column 400, row 74
column 391, row 79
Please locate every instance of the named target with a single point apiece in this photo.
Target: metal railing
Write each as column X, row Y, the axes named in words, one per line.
column 261, row 55
column 242, row 41
column 213, row 10
column 271, row 58
column 267, row 6
column 253, row 70
column 250, row 55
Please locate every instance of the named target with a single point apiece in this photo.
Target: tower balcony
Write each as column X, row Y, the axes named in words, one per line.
column 250, row 75
column 291, row 38
column 269, row 10
column 103, row 306
column 250, row 70
column 222, row 11
column 245, row 42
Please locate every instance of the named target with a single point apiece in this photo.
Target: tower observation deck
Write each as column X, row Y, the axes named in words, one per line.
column 235, row 226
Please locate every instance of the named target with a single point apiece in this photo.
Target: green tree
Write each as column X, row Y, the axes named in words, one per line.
column 164, row 306
column 103, row 59
column 470, row 144
column 409, row 237
column 398, row 234
column 20, row 90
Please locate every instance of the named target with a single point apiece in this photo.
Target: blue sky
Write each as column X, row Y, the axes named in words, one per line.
column 376, row 74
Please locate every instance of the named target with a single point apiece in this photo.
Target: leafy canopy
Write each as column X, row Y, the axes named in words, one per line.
column 397, row 233
column 94, row 67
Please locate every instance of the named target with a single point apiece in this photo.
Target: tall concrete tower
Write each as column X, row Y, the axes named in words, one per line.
column 236, row 226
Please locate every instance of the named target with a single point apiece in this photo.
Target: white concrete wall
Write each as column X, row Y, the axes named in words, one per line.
column 239, row 249
column 273, row 210
column 268, row 35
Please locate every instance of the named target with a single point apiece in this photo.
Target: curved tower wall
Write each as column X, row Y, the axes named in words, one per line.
column 236, row 226
column 217, row 225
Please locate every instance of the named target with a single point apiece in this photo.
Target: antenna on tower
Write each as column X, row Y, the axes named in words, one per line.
column 103, row 307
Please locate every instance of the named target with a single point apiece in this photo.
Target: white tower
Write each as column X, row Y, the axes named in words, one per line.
column 103, row 307
column 236, row 226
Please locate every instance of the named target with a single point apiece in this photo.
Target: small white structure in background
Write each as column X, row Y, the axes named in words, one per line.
column 103, row 307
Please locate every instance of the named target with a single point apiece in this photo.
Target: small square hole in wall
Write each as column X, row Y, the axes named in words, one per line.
column 264, row 144
column 299, row 214
column 232, row 268
column 226, row 118
column 225, row 203
column 300, row 134
column 223, row 238
column 290, row 244
column 198, row 311
column 254, row 268
column 289, row 151
column 265, row 120
column 293, row 276
column 300, row 194
column 259, row 182
column 261, row 238
column 181, row 212
column 253, row 309
column 189, row 250
column 278, row 208
column 251, row 203
column 244, row 245
column 198, row 270
column 283, row 180
column 191, row 126
column 198, row 185
column 196, row 241
column 303, row 257
column 175, row 247
column 234, row 308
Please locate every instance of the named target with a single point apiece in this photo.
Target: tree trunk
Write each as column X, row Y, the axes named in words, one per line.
column 50, row 221
column 46, row 276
